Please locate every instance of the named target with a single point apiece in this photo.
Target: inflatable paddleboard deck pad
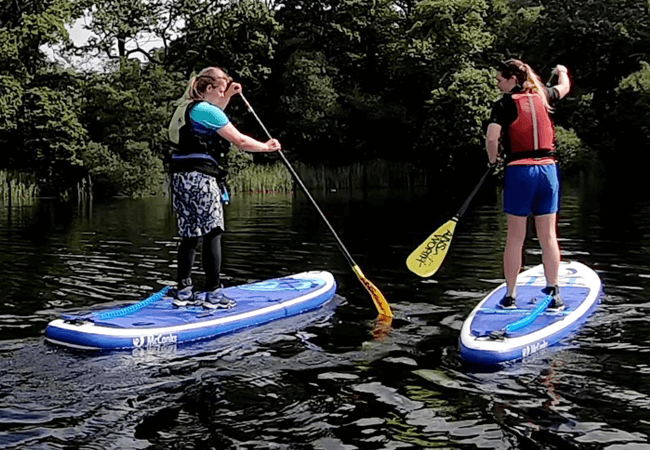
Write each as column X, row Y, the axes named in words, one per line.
column 155, row 321
column 492, row 335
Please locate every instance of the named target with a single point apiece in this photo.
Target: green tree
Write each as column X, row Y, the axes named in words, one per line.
column 348, row 42
column 600, row 41
column 629, row 122
column 238, row 36
column 52, row 137
column 121, row 28
column 438, row 63
column 39, row 127
column 126, row 113
column 456, row 117
column 338, row 81
column 311, row 100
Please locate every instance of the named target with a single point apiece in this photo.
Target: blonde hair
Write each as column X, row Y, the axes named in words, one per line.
column 526, row 78
column 199, row 84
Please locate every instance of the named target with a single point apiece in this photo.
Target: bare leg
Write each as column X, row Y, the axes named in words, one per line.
column 514, row 248
column 546, row 233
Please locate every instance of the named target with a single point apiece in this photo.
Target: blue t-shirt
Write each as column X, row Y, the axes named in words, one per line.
column 207, row 119
column 198, row 148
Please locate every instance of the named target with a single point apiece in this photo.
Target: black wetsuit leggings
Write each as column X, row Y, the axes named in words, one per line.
column 210, row 258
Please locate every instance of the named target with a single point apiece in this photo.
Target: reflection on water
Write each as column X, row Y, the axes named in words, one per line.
column 331, row 379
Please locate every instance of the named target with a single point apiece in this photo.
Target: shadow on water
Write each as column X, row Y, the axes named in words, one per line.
column 330, row 379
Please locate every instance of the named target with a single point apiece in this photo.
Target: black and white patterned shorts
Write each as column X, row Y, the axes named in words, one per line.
column 197, row 202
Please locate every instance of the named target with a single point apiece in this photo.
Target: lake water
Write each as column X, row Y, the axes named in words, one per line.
column 332, row 379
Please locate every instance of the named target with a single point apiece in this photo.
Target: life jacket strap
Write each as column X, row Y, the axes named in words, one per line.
column 199, row 162
column 530, row 154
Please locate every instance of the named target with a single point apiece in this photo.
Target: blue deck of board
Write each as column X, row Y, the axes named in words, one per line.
column 249, row 298
column 490, row 317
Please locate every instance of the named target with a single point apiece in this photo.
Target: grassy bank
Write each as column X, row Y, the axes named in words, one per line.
column 276, row 177
column 17, row 188
column 247, row 176
column 266, row 178
column 377, row 173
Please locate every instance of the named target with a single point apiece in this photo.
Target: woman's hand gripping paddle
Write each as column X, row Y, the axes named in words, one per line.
column 377, row 297
column 426, row 259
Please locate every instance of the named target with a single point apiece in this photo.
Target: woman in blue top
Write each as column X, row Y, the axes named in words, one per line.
column 196, row 129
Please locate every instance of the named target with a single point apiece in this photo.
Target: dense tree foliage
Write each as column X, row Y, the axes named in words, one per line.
column 338, row 81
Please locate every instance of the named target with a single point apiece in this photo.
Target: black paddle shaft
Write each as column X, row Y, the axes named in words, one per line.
column 462, row 209
column 303, row 187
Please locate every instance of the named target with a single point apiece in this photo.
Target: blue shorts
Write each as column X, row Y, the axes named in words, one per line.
column 531, row 190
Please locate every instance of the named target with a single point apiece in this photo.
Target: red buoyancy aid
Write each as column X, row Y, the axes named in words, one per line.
column 532, row 132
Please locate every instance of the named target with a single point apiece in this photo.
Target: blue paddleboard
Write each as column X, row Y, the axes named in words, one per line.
column 156, row 322
column 491, row 335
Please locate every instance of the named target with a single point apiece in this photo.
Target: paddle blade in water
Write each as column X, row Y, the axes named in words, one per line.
column 377, row 297
column 426, row 259
column 382, row 328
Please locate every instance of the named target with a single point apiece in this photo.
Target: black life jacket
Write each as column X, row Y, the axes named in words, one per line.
column 193, row 152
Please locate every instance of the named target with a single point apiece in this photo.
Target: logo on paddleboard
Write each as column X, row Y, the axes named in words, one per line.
column 155, row 340
column 533, row 348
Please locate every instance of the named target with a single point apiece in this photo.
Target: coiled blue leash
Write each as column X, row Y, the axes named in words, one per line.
column 118, row 312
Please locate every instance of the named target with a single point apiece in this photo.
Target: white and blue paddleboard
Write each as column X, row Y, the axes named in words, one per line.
column 491, row 335
column 156, row 322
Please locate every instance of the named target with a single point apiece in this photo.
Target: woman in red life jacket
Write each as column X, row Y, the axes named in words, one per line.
column 521, row 123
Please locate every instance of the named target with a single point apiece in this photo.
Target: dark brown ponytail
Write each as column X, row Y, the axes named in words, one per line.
column 526, row 78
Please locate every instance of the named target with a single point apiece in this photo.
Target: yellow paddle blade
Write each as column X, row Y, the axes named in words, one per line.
column 426, row 259
column 377, row 297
